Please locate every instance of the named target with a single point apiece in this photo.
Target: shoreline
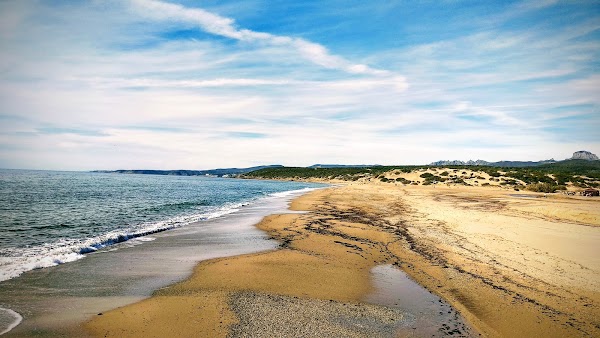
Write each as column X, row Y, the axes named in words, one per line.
column 436, row 236
column 308, row 272
column 16, row 320
column 58, row 299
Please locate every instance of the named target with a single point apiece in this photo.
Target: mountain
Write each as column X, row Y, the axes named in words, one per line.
column 584, row 155
column 458, row 162
column 344, row 166
column 493, row 164
column 211, row 172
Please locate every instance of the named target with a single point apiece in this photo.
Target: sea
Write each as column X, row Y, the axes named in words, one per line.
column 50, row 217
column 75, row 244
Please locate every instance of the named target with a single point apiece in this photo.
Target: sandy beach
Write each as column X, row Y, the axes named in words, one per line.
column 511, row 264
column 244, row 168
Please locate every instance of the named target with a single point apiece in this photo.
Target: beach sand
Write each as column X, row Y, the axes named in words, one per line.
column 511, row 265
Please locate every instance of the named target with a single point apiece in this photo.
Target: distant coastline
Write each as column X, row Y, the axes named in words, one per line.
column 210, row 172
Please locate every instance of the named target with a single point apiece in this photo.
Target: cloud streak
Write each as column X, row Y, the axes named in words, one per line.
column 226, row 27
column 156, row 84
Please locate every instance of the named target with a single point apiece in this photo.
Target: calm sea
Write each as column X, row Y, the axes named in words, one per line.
column 48, row 218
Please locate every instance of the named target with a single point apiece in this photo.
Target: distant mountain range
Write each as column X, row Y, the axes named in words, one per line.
column 578, row 155
column 344, row 165
column 494, row 164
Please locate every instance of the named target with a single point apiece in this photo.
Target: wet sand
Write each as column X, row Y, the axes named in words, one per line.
column 511, row 266
column 55, row 301
column 324, row 264
column 425, row 314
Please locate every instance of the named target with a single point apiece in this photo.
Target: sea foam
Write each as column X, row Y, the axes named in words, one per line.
column 9, row 320
column 291, row 192
column 15, row 261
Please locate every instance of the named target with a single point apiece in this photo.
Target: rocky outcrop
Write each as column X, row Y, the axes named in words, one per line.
column 584, row 155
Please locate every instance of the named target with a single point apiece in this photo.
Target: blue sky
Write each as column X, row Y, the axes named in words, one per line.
column 205, row 84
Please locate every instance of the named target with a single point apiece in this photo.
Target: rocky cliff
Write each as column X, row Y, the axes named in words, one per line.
column 584, row 155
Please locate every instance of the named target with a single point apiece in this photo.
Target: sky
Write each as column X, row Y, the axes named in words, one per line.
column 149, row 84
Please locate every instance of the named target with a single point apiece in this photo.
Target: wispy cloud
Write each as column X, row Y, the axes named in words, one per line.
column 226, row 27
column 111, row 84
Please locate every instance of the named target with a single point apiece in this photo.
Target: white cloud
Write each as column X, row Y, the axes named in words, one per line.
column 187, row 103
column 226, row 27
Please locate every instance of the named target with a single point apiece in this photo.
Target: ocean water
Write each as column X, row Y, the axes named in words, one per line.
column 49, row 218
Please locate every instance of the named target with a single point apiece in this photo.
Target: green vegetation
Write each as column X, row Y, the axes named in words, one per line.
column 403, row 180
column 543, row 178
column 344, row 173
column 431, row 178
column 545, row 187
column 509, row 182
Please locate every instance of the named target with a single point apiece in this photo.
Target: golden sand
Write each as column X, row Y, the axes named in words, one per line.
column 512, row 266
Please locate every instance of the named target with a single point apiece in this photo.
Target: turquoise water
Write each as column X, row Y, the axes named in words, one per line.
column 48, row 218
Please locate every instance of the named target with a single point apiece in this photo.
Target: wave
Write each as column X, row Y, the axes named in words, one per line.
column 180, row 206
column 16, row 320
column 291, row 192
column 15, row 261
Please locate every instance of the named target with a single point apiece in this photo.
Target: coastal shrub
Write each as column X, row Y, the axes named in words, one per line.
column 509, row 182
column 582, row 173
column 426, row 182
column 403, row 180
column 433, row 178
column 445, row 173
column 562, row 178
column 544, row 187
column 485, row 184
